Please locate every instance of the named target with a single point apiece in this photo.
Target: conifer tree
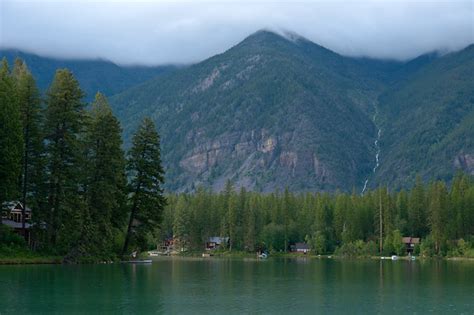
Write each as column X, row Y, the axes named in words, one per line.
column 106, row 180
column 11, row 139
column 250, row 223
column 64, row 130
column 32, row 175
column 180, row 222
column 416, row 210
column 437, row 213
column 147, row 178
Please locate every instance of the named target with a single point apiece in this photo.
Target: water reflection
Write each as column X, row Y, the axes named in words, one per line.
column 276, row 286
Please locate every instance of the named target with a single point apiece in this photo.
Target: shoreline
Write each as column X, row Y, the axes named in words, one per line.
column 40, row 260
column 58, row 260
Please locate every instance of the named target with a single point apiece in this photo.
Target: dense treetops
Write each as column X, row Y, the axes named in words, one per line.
column 67, row 164
column 11, row 139
column 346, row 223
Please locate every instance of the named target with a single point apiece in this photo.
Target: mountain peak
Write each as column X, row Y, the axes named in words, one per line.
column 263, row 35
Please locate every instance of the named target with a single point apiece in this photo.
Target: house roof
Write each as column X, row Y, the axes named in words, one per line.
column 410, row 240
column 12, row 205
column 301, row 246
column 218, row 239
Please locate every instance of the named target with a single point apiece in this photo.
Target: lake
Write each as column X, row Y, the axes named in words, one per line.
column 234, row 286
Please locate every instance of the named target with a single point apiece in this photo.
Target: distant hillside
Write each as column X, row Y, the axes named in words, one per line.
column 428, row 122
column 268, row 113
column 93, row 75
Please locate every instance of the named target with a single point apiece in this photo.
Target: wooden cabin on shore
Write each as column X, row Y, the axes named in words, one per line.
column 12, row 216
column 216, row 242
column 410, row 243
column 167, row 246
column 300, row 248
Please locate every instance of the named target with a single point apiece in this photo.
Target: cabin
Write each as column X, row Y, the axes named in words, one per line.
column 410, row 243
column 13, row 211
column 167, row 245
column 12, row 216
column 216, row 242
column 300, row 248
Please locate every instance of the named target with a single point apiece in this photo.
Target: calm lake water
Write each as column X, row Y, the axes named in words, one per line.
column 224, row 286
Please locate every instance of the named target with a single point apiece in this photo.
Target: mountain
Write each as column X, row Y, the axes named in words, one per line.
column 271, row 112
column 93, row 75
column 280, row 111
column 427, row 122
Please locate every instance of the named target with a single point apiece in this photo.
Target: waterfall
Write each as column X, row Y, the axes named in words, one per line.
column 377, row 149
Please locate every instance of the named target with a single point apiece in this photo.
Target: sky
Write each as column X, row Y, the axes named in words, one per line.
column 163, row 32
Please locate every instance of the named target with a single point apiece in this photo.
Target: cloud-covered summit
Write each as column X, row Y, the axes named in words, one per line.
column 157, row 32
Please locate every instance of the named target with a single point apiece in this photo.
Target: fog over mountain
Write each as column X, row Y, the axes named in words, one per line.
column 157, row 32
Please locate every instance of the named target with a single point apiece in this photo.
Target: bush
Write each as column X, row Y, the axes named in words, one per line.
column 356, row 249
column 317, row 243
column 427, row 247
column 460, row 248
column 8, row 238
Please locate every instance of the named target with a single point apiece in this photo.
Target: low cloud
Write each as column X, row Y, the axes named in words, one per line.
column 158, row 32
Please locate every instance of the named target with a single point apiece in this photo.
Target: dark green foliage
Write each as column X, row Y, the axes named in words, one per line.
column 105, row 182
column 345, row 224
column 11, row 138
column 146, row 186
column 71, row 171
column 64, row 129
column 32, row 187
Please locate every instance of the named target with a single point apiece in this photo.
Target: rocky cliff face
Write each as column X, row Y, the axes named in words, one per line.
column 465, row 163
column 254, row 156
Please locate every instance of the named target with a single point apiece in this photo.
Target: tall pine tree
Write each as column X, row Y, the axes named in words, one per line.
column 147, row 178
column 11, row 139
column 64, row 129
column 32, row 171
column 105, row 183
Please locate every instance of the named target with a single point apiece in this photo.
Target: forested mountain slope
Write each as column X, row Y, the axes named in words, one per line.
column 428, row 122
column 93, row 75
column 268, row 113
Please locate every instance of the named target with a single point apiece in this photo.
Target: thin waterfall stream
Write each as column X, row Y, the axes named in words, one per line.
column 377, row 149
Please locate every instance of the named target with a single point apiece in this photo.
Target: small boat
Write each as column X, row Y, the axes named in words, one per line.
column 394, row 257
column 139, row 261
column 412, row 257
column 153, row 253
column 263, row 256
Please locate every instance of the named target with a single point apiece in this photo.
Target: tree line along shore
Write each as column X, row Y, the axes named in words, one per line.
column 62, row 161
column 90, row 201
column 439, row 217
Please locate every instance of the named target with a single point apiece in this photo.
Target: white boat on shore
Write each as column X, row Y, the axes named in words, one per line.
column 139, row 261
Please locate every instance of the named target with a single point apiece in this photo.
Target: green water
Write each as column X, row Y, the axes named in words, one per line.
column 223, row 286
